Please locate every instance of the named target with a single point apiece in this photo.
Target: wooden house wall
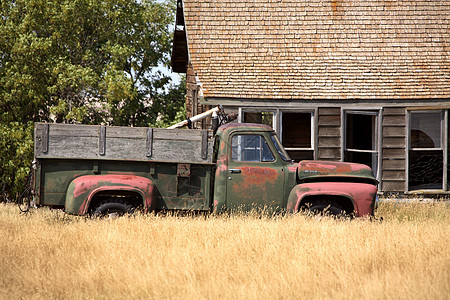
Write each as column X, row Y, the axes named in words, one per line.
column 393, row 141
column 329, row 133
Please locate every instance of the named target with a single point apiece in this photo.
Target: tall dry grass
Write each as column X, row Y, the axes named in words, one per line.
column 48, row 254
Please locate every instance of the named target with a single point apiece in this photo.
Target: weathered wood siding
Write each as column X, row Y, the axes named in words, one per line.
column 329, row 134
column 394, row 149
column 123, row 143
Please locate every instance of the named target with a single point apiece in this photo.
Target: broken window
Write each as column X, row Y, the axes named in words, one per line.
column 297, row 135
column 426, row 153
column 361, row 139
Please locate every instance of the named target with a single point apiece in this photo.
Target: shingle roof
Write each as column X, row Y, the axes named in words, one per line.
column 313, row 49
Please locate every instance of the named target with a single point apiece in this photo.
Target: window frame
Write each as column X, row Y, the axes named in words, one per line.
column 238, row 134
column 274, row 112
column 377, row 136
column 313, row 131
column 443, row 146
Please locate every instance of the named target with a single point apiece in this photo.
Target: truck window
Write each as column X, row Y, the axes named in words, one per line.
column 250, row 147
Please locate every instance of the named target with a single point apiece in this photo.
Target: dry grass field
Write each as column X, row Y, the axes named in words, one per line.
column 48, row 254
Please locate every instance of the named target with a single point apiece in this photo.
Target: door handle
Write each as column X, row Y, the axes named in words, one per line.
column 235, row 171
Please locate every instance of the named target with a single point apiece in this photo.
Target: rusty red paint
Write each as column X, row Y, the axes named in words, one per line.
column 85, row 187
column 310, row 169
column 255, row 176
column 362, row 195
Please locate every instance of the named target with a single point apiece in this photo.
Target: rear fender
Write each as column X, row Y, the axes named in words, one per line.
column 82, row 190
column 361, row 195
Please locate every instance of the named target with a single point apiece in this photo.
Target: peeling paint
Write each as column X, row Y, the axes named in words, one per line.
column 362, row 195
column 82, row 189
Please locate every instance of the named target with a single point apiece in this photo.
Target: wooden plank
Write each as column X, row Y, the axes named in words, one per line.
column 394, row 121
column 393, row 186
column 329, row 141
column 329, row 111
column 394, row 164
column 67, row 146
column 177, row 134
column 74, row 130
column 329, row 120
column 394, row 132
column 128, row 132
column 394, row 153
column 329, row 154
column 329, row 132
column 394, row 142
column 394, row 111
column 394, row 175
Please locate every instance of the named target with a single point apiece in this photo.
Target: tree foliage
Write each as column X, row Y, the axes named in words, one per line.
column 82, row 61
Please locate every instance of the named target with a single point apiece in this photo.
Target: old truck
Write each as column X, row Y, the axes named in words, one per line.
column 105, row 171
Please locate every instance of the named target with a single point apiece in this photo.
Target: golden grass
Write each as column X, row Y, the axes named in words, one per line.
column 48, row 254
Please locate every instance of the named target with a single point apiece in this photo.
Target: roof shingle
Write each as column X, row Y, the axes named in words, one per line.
column 317, row 49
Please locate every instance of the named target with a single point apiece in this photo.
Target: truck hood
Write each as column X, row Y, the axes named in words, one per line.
column 310, row 170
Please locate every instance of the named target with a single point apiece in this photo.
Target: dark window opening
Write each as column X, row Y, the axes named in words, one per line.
column 360, row 140
column 360, row 132
column 425, row 169
column 360, row 157
column 298, row 155
column 296, row 135
column 296, row 130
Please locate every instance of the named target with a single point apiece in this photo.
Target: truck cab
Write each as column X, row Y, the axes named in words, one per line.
column 253, row 169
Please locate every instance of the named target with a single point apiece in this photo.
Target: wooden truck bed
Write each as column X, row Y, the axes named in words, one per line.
column 122, row 143
column 178, row 161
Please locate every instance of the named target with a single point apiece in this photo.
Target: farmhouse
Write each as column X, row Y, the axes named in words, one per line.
column 350, row 80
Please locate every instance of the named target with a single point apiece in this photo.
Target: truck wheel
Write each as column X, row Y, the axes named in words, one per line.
column 326, row 208
column 112, row 209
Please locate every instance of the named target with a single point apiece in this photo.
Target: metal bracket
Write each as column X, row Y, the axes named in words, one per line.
column 45, row 131
column 149, row 144
column 204, row 144
column 102, row 141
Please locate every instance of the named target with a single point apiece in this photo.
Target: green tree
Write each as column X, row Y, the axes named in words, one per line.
column 82, row 61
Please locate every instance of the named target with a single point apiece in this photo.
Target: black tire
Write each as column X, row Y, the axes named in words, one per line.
column 112, row 208
column 326, row 208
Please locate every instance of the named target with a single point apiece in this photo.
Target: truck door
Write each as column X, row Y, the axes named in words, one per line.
column 255, row 173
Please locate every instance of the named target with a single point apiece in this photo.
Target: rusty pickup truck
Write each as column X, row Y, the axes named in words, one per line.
column 104, row 171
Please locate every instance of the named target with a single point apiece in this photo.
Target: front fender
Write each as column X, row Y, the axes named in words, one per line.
column 362, row 195
column 82, row 189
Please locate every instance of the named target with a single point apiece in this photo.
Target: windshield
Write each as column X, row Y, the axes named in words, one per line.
column 280, row 148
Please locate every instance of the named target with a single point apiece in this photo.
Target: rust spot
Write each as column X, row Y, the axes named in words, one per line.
column 253, row 176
